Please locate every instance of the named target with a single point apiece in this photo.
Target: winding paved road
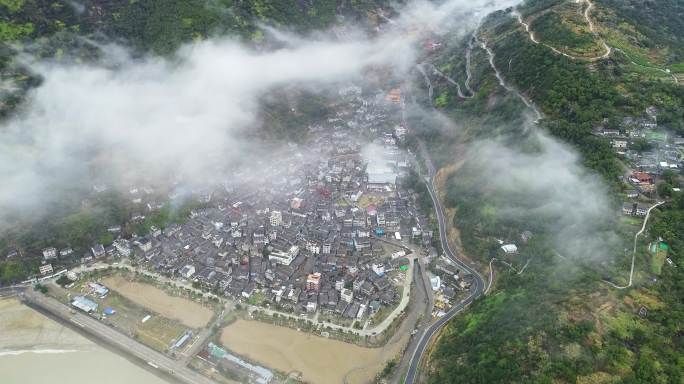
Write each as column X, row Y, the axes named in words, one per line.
column 636, row 236
column 476, row 290
column 587, row 10
column 528, row 103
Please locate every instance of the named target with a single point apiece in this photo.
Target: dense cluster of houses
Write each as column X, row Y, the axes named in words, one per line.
column 447, row 280
column 663, row 152
column 309, row 232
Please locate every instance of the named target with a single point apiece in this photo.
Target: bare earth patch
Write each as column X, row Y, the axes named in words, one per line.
column 187, row 312
column 24, row 328
column 318, row 359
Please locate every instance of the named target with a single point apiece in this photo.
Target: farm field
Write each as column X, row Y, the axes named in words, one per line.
column 158, row 332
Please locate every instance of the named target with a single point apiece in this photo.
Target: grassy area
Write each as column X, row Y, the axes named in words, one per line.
column 385, row 310
column 638, row 55
column 158, row 332
column 631, row 220
column 567, row 30
column 12, row 32
column 657, row 136
column 257, row 298
column 658, row 253
column 335, row 319
column 367, row 200
column 642, row 61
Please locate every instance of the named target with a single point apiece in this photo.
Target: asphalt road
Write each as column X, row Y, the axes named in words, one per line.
column 88, row 324
column 420, row 314
column 476, row 290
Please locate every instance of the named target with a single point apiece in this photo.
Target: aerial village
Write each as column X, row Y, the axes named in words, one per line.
column 654, row 157
column 328, row 230
column 652, row 154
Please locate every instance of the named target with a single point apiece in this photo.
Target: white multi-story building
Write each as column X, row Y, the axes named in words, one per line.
column 313, row 247
column 45, row 269
column 347, row 295
column 276, row 218
column 284, row 257
column 123, row 247
column 50, row 253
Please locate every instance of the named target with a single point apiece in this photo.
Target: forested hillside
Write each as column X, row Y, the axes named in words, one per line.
column 559, row 321
column 552, row 315
column 161, row 26
column 78, row 30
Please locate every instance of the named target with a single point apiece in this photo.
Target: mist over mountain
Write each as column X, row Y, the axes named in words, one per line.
column 122, row 117
column 555, row 128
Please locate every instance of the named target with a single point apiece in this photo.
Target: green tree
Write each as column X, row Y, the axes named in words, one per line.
column 11, row 272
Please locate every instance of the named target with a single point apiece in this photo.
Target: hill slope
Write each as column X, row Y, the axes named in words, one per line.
column 559, row 322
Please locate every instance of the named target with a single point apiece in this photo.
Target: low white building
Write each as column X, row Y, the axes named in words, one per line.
column 379, row 269
column 619, row 143
column 97, row 250
column 50, row 253
column 509, row 248
column 362, row 311
column 187, row 271
column 45, row 269
column 98, row 289
column 435, row 283
column 123, row 247
column 313, row 247
column 284, row 257
column 398, row 254
column 145, row 244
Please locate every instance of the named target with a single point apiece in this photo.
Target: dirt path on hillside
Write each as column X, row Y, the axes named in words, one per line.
column 592, row 29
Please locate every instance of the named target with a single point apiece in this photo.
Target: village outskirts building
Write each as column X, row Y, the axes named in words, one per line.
column 45, row 269
column 84, row 304
column 50, row 253
column 187, row 271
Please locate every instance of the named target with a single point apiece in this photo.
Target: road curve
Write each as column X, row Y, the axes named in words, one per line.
column 586, row 13
column 476, row 290
column 636, row 236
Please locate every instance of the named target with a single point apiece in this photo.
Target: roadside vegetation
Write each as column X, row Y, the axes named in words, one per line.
column 558, row 321
column 565, row 29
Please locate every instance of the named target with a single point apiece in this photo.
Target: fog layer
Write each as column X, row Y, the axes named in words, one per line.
column 152, row 116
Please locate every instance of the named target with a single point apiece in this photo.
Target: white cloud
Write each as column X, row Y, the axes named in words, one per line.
column 153, row 116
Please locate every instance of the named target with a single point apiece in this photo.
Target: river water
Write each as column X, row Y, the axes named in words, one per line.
column 75, row 367
column 36, row 350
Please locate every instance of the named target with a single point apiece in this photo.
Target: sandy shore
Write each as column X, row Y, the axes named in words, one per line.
column 23, row 328
column 29, row 340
